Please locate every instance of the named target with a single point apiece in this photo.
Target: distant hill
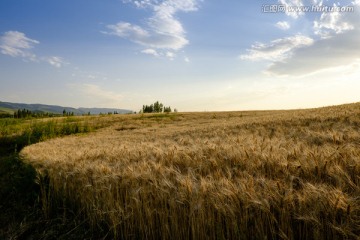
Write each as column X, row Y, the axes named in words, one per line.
column 103, row 110
column 7, row 107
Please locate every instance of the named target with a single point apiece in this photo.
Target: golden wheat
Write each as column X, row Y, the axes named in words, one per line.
column 232, row 175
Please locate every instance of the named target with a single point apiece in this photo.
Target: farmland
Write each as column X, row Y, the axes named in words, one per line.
column 216, row 175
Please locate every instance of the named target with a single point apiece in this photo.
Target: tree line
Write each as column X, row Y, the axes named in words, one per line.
column 25, row 113
column 156, row 107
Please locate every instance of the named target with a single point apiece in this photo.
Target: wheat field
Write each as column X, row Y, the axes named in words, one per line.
column 214, row 175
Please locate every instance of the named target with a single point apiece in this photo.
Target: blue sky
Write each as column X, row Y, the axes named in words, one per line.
column 195, row 55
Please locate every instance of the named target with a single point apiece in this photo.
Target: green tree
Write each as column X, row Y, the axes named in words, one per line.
column 158, row 107
column 167, row 109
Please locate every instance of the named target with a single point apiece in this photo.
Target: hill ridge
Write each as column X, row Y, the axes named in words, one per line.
column 56, row 109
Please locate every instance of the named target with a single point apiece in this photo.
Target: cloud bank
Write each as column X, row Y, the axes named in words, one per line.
column 340, row 50
column 338, row 45
column 332, row 42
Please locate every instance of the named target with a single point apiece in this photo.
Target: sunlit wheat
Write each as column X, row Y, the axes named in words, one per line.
column 238, row 175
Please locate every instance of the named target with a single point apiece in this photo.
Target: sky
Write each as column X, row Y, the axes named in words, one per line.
column 193, row 55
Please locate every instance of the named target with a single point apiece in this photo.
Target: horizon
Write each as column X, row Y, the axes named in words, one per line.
column 193, row 55
column 201, row 111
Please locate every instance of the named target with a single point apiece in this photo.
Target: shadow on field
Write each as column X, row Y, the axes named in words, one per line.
column 18, row 191
column 21, row 215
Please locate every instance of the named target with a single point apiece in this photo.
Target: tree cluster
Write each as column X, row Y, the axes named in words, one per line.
column 156, row 107
column 67, row 113
column 25, row 113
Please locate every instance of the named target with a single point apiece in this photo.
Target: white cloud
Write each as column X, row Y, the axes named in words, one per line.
column 283, row 25
column 162, row 30
column 16, row 44
column 277, row 50
column 57, row 62
column 150, row 51
column 330, row 23
column 140, row 4
column 186, row 59
column 128, row 30
column 170, row 55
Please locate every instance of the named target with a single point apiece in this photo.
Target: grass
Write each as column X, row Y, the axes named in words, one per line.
column 232, row 175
